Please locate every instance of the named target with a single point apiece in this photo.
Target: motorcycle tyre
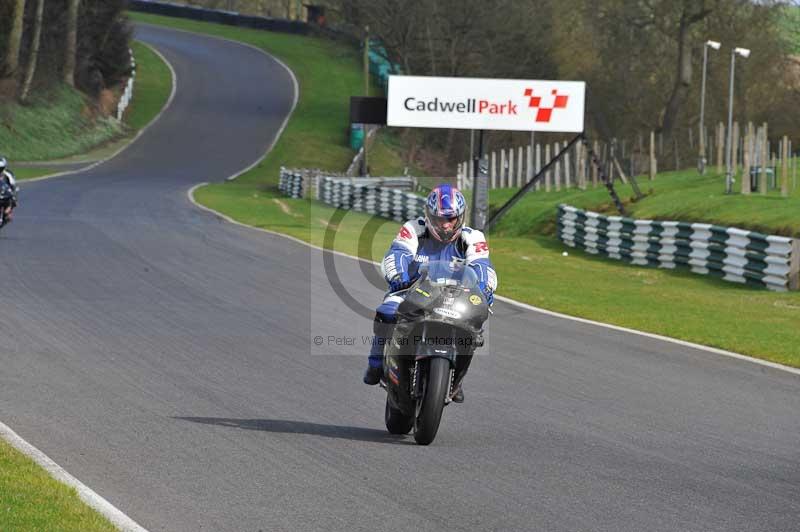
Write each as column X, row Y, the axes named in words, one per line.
column 430, row 413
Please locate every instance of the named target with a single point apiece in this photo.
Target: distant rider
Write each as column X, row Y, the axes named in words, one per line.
column 439, row 235
column 7, row 177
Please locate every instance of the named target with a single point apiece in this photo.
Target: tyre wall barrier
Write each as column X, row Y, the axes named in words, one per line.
column 729, row 253
column 383, row 196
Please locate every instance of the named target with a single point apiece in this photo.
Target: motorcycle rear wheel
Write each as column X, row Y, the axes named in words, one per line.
column 396, row 421
column 430, row 413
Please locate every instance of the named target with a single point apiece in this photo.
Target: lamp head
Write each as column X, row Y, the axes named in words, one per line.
column 713, row 44
column 744, row 52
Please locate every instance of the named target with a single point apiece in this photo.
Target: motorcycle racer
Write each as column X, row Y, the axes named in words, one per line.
column 439, row 235
column 7, row 178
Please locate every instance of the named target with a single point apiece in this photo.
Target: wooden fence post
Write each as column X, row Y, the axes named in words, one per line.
column 653, row 163
column 710, row 149
column 567, row 173
column 746, row 148
column 763, row 185
column 745, row 185
column 677, row 152
column 784, row 167
column 528, row 163
column 538, row 165
column 510, row 174
column 556, row 168
column 794, row 168
column 494, row 169
column 503, row 168
column 549, row 174
column 735, row 149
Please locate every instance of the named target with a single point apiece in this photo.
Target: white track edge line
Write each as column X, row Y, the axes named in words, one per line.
column 520, row 304
column 139, row 133
column 87, row 495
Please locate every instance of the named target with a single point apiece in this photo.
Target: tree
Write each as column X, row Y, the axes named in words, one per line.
column 11, row 60
column 71, row 48
column 690, row 13
column 34, row 56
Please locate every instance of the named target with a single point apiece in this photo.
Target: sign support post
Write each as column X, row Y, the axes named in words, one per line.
column 480, row 187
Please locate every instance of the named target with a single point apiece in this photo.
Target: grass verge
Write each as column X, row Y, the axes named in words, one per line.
column 528, row 258
column 53, row 125
column 32, row 500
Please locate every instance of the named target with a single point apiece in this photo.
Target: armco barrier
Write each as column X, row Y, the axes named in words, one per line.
column 221, row 17
column 382, row 196
column 726, row 252
column 127, row 95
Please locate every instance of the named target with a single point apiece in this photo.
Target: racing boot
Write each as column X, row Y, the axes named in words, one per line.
column 382, row 331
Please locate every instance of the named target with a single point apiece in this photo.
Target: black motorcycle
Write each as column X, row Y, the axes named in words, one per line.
column 439, row 326
column 8, row 198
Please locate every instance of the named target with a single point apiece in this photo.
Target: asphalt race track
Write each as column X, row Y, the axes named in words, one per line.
column 164, row 357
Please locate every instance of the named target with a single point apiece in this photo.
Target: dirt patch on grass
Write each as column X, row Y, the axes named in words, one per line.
column 285, row 208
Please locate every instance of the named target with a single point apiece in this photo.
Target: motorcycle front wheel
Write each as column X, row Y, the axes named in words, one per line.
column 437, row 385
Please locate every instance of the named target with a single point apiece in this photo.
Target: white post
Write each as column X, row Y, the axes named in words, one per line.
column 538, row 164
column 510, row 174
column 557, row 173
column 518, row 180
column 494, row 170
column 567, row 180
column 529, row 164
column 503, row 167
column 549, row 174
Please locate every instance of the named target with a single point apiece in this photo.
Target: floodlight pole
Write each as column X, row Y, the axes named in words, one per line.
column 728, row 153
column 701, row 161
column 365, row 161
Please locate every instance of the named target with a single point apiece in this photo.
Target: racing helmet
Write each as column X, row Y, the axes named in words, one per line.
column 445, row 210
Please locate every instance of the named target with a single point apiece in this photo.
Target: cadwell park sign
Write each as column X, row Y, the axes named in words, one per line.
column 475, row 103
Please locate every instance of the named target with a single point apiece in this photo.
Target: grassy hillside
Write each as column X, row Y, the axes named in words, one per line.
column 683, row 195
column 57, row 123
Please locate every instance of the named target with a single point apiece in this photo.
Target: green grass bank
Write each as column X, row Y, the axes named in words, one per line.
column 75, row 139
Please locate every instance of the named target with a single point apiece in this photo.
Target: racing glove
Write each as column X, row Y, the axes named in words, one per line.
column 401, row 281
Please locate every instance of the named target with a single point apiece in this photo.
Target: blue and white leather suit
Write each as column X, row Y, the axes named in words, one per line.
column 414, row 246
